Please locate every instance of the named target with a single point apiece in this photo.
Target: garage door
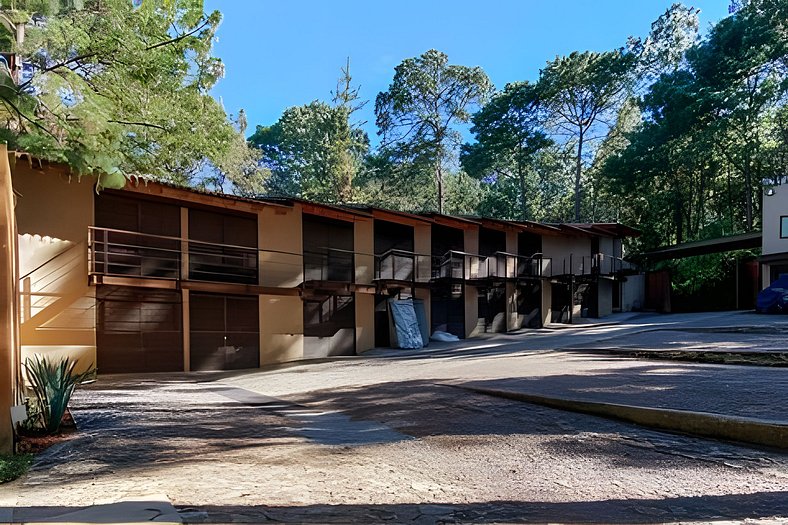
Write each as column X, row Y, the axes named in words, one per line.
column 224, row 332
column 138, row 330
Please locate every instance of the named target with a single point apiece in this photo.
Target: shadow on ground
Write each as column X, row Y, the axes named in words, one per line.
column 635, row 511
column 734, row 391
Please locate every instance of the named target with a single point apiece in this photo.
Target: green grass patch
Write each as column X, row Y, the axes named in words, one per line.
column 11, row 467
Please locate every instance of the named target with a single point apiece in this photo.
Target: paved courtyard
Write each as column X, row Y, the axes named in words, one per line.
column 390, row 438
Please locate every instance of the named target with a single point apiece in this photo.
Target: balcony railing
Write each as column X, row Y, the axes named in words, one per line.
column 597, row 264
column 511, row 266
column 401, row 265
column 500, row 265
column 329, row 264
column 123, row 253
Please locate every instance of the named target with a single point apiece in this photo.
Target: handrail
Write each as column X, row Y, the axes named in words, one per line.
column 405, row 253
column 182, row 239
column 34, row 270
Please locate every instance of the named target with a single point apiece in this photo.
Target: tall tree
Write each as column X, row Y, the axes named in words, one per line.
column 418, row 113
column 741, row 75
column 351, row 139
column 508, row 136
column 582, row 93
column 118, row 90
column 307, row 151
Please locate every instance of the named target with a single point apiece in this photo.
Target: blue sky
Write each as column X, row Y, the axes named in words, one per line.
column 282, row 53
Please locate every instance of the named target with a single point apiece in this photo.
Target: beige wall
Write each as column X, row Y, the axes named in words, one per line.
column 513, row 321
column 633, row 293
column 422, row 244
column 57, row 304
column 547, row 301
column 604, row 297
column 280, row 240
column 364, row 246
column 365, row 322
column 773, row 207
column 471, row 294
column 281, row 329
column 472, row 321
column 560, row 248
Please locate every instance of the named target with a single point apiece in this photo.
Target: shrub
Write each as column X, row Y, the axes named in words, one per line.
column 11, row 467
column 53, row 383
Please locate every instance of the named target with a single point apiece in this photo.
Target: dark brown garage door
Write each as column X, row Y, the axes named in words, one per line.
column 224, row 332
column 138, row 330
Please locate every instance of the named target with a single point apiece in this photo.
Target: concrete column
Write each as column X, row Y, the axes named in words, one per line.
column 186, row 329
column 547, row 301
column 281, row 329
column 9, row 318
column 364, row 248
column 512, row 318
column 365, row 322
column 471, row 297
column 470, row 293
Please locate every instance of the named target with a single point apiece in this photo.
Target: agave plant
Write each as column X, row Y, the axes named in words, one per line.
column 53, row 382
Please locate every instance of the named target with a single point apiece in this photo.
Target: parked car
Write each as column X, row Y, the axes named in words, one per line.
column 774, row 299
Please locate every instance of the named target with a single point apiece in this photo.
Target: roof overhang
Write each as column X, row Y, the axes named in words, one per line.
column 742, row 241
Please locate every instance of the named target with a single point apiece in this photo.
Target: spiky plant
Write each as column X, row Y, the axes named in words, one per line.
column 53, row 382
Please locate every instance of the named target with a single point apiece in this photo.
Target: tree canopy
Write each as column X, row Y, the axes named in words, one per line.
column 673, row 132
column 418, row 114
column 120, row 90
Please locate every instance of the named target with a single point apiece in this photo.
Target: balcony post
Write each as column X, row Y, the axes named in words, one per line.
column 106, row 251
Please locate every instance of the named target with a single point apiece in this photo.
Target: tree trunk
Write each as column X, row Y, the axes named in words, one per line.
column 439, row 185
column 523, row 202
column 578, row 173
column 678, row 218
column 748, row 189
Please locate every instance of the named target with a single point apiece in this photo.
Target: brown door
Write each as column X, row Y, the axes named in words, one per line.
column 138, row 330
column 224, row 332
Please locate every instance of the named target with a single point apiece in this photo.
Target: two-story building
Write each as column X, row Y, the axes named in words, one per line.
column 158, row 278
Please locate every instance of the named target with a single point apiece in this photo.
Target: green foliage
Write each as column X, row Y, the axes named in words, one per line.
column 391, row 181
column 712, row 130
column 312, row 152
column 14, row 466
column 315, row 151
column 581, row 94
column 122, row 91
column 508, row 137
column 418, row 114
column 53, row 383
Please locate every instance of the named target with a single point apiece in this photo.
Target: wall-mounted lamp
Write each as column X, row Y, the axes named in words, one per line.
column 770, row 192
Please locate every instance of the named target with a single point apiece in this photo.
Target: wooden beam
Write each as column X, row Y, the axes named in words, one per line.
column 237, row 289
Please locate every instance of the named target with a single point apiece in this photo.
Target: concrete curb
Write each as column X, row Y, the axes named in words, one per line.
column 153, row 508
column 704, row 424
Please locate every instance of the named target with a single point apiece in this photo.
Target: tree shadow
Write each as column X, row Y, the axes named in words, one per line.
column 634, row 511
column 735, row 391
column 175, row 423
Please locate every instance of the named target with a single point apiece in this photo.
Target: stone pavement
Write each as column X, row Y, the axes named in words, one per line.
column 228, row 455
column 742, row 391
column 377, row 439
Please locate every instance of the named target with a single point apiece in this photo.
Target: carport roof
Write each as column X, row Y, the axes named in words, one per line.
column 721, row 244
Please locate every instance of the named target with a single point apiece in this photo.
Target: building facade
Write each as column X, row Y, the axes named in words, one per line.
column 774, row 253
column 156, row 278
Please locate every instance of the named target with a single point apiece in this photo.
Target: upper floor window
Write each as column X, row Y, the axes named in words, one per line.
column 784, row 227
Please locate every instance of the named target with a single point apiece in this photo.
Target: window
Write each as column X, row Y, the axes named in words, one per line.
column 784, row 227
